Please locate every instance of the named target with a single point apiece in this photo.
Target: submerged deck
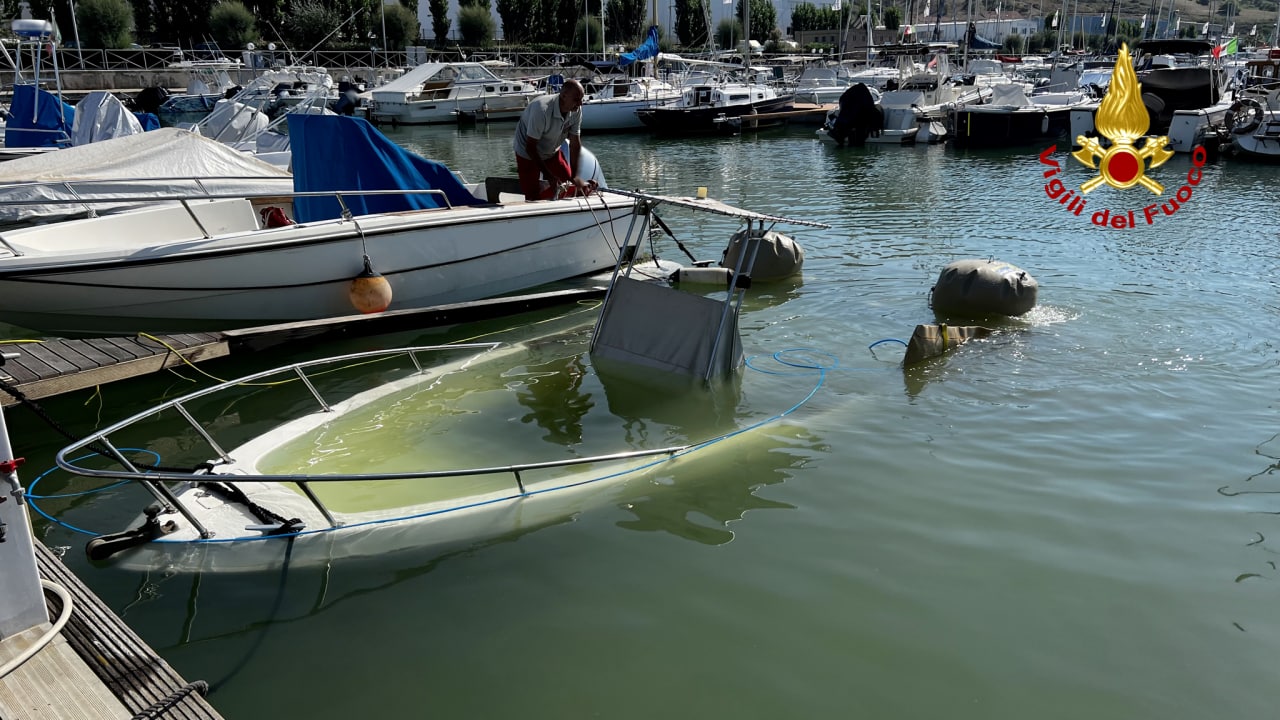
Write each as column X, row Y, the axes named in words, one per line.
column 53, row 367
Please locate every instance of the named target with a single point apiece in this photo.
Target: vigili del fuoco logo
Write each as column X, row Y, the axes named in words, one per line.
column 1122, row 119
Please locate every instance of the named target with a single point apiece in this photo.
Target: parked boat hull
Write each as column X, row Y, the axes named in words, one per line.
column 979, row 127
column 265, row 276
column 713, row 119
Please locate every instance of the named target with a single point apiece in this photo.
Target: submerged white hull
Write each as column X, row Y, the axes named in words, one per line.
column 112, row 280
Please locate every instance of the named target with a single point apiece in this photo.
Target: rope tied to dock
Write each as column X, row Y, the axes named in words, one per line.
column 160, row 706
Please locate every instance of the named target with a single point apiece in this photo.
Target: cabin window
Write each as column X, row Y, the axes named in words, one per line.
column 488, row 88
column 733, row 98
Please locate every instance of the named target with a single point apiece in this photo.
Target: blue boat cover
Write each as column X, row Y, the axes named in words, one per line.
column 34, row 120
column 336, row 152
column 149, row 121
column 646, row 49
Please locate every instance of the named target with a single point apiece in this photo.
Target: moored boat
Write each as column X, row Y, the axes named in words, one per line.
column 222, row 261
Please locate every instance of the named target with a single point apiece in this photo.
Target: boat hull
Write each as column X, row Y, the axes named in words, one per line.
column 713, row 119
column 302, row 272
column 979, row 127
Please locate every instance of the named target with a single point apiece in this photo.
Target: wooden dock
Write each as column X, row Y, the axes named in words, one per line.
column 54, row 367
column 96, row 668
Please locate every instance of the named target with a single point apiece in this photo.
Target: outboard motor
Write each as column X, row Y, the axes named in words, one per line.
column 859, row 117
column 347, row 102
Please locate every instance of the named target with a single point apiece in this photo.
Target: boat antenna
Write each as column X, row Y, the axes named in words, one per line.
column 283, row 44
column 350, row 17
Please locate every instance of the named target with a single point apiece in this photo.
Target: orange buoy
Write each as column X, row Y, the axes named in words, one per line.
column 370, row 292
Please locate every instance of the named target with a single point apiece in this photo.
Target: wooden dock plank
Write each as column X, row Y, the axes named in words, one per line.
column 118, row 370
column 27, row 367
column 72, row 355
column 122, row 661
column 110, row 349
column 89, row 351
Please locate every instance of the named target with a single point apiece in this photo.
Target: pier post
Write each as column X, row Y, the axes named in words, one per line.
column 22, row 604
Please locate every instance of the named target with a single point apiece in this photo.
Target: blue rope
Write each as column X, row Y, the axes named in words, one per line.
column 31, row 497
column 886, row 340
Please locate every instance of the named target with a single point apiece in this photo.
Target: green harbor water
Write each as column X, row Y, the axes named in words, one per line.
column 1077, row 518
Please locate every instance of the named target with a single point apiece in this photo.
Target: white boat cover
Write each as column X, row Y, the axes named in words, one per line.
column 101, row 116
column 399, row 88
column 231, row 122
column 139, row 166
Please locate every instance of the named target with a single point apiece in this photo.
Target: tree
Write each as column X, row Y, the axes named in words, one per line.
column 475, row 25
column 728, row 33
column 231, row 24
column 402, row 26
column 628, row 22
column 310, row 21
column 440, row 20
column 1012, row 44
column 764, row 18
column 586, row 35
column 691, row 23
column 105, row 23
column 892, row 18
column 518, row 19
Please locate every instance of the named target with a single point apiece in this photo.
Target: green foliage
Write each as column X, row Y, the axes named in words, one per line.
column 232, row 25
column 1012, row 44
column 473, row 3
column 628, row 21
column 728, row 34
column 476, row 25
column 517, row 19
column 105, row 23
column 440, row 20
column 402, row 26
column 310, row 21
column 764, row 18
column 892, row 18
column 691, row 23
column 586, row 35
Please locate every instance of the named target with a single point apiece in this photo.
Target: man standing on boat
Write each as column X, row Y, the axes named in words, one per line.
column 544, row 125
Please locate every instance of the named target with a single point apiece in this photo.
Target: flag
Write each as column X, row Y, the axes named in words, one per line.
column 1143, row 25
column 926, row 9
column 1230, row 47
column 1254, row 31
column 1055, row 19
column 646, row 49
column 1205, row 30
column 1231, row 30
column 1104, row 21
column 906, row 29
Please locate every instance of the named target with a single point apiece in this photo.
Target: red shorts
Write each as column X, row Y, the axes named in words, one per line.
column 556, row 169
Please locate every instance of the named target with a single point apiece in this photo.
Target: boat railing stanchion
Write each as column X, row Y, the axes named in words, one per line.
column 187, row 206
column 315, row 500
column 222, row 454
column 158, row 489
column 314, row 393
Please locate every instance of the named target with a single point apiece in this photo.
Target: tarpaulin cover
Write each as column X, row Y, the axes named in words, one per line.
column 134, row 168
column 646, row 49
column 101, row 116
column 334, row 152
column 35, row 121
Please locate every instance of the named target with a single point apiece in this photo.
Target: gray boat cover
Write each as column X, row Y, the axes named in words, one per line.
column 659, row 327
column 137, row 167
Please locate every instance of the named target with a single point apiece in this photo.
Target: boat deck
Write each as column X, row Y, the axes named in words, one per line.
column 96, row 667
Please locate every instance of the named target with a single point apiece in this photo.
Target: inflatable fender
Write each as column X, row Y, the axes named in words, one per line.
column 777, row 257
column 977, row 288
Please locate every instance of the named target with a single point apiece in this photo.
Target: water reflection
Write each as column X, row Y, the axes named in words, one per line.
column 1264, row 482
column 553, row 393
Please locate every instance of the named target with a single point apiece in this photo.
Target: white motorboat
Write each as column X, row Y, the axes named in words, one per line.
column 442, row 92
column 412, row 448
column 612, row 106
column 217, row 262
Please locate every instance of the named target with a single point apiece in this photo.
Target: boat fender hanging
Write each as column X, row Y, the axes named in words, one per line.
column 977, row 288
column 933, row 340
column 370, row 292
column 778, row 256
column 703, row 276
